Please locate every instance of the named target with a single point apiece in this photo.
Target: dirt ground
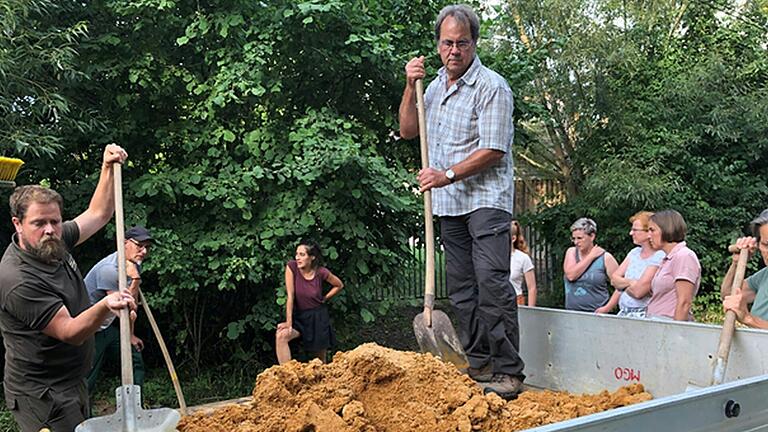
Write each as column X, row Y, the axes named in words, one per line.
column 373, row 388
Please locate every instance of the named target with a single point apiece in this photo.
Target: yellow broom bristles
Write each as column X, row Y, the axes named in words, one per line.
column 9, row 167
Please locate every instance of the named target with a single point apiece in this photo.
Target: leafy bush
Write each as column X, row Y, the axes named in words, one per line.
column 650, row 120
column 249, row 126
column 708, row 308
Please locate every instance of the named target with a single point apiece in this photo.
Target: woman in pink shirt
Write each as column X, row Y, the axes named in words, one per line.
column 306, row 312
column 678, row 278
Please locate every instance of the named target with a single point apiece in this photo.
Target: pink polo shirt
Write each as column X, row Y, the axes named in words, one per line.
column 681, row 264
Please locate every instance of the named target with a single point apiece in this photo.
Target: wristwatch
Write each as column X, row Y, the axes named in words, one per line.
column 450, row 175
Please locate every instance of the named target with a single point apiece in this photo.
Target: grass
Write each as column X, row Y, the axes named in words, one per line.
column 7, row 424
column 215, row 384
column 208, row 386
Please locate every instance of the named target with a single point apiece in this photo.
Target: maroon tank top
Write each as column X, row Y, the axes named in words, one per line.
column 308, row 293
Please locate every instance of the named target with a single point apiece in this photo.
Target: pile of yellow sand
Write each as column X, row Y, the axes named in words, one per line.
column 375, row 389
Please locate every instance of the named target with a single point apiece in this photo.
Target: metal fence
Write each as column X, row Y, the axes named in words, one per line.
column 528, row 195
column 415, row 274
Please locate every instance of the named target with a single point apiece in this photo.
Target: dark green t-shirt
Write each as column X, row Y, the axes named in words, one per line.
column 31, row 293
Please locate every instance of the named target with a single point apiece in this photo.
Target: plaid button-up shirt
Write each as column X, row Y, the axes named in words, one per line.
column 474, row 113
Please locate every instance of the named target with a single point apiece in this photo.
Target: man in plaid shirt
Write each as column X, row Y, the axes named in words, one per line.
column 469, row 121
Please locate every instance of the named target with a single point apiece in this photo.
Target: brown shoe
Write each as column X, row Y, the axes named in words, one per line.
column 483, row 374
column 506, row 386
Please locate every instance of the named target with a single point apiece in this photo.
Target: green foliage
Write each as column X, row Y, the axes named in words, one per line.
column 223, row 383
column 7, row 423
column 249, row 126
column 708, row 308
column 657, row 108
column 36, row 61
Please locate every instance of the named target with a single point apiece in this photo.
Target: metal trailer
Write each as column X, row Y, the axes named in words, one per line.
column 586, row 353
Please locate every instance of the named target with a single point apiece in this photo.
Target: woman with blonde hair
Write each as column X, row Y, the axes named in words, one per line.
column 521, row 267
column 632, row 279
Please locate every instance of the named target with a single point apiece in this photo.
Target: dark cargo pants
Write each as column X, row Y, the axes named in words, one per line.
column 107, row 349
column 477, row 249
column 55, row 410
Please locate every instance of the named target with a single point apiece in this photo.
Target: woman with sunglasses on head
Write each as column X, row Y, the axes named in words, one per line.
column 586, row 270
column 306, row 312
column 521, row 267
column 633, row 278
column 677, row 281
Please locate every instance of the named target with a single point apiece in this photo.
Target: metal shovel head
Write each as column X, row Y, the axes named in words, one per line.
column 130, row 417
column 441, row 339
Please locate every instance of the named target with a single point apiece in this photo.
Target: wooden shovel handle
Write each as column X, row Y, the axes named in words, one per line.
column 166, row 355
column 729, row 324
column 429, row 277
column 126, row 361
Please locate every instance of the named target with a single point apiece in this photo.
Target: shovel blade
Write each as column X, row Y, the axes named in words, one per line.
column 130, row 417
column 425, row 336
column 440, row 339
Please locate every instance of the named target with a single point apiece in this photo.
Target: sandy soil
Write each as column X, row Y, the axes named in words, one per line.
column 376, row 389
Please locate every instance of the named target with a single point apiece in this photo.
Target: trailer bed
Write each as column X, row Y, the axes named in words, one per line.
column 585, row 353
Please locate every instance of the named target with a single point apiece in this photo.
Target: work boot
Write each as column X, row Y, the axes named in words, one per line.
column 506, row 386
column 483, row 374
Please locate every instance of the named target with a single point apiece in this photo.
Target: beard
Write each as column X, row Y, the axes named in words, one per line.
column 49, row 249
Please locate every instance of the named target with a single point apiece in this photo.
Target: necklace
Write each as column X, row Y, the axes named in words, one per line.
column 307, row 275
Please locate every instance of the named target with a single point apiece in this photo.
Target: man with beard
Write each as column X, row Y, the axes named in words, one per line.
column 46, row 318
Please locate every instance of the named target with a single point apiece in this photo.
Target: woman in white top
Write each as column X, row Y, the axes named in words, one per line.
column 632, row 279
column 521, row 267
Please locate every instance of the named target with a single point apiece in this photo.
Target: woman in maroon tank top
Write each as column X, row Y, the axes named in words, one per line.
column 306, row 312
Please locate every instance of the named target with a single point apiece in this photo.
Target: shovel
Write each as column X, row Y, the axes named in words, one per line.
column 434, row 331
column 166, row 354
column 129, row 416
column 729, row 324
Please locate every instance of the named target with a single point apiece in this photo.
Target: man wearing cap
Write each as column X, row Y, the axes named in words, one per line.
column 102, row 281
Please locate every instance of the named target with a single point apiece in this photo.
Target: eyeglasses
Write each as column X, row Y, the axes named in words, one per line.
column 141, row 246
column 637, row 229
column 462, row 45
